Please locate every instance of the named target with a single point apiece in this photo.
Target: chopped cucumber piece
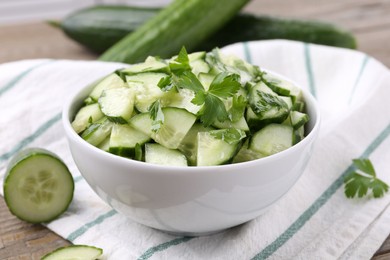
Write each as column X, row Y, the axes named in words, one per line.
column 206, row 79
column 117, row 104
column 245, row 154
column 298, row 119
column 299, row 134
column 85, row 116
column 111, row 81
column 276, row 84
column 181, row 99
column 158, row 154
column 196, row 55
column 214, row 151
column 189, row 144
column 38, row 186
column 299, row 106
column 272, row 139
column 151, row 64
column 97, row 132
column 124, row 139
column 199, row 66
column 145, row 89
column 177, row 123
column 240, row 124
column 105, row 145
column 74, row 252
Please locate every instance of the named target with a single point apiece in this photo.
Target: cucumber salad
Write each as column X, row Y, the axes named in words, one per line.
column 197, row 109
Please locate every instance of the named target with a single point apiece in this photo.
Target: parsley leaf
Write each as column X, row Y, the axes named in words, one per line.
column 266, row 102
column 225, row 85
column 357, row 183
column 213, row 109
column 229, row 135
column 181, row 63
column 188, row 80
column 165, row 83
column 156, row 115
column 238, row 108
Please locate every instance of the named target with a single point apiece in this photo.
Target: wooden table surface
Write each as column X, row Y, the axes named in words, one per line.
column 369, row 20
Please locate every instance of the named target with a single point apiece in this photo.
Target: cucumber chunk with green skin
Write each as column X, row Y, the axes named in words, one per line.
column 214, row 151
column 145, row 89
column 86, row 115
column 272, row 139
column 74, row 252
column 124, row 139
column 189, row 144
column 298, row 119
column 177, row 123
column 38, row 186
column 97, row 132
column 158, row 154
column 245, row 154
column 117, row 104
column 111, row 81
column 151, row 64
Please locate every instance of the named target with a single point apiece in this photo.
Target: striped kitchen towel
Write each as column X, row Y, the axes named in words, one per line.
column 314, row 220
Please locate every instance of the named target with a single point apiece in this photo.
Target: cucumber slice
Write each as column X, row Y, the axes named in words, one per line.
column 111, row 81
column 199, row 66
column 245, row 154
column 97, row 132
column 151, row 64
column 105, row 144
column 181, row 99
column 145, row 89
column 74, row 252
column 38, row 186
column 240, row 124
column 177, row 123
column 158, row 154
column 86, row 115
column 298, row 119
column 272, row 139
column 117, row 104
column 189, row 144
column 299, row 134
column 213, row 151
column 277, row 85
column 124, row 138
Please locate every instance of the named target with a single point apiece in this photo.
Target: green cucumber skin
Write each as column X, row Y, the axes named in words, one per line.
column 182, row 23
column 248, row 27
column 100, row 27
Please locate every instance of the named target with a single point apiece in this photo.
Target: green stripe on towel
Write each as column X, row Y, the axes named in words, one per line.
column 161, row 247
column 78, row 232
column 19, row 77
column 306, row 215
column 309, row 70
column 247, row 52
column 29, row 139
column 362, row 68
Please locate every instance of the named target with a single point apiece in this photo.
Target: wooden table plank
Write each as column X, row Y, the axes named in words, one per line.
column 367, row 19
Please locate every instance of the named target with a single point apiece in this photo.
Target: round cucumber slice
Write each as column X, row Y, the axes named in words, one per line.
column 74, row 252
column 38, row 186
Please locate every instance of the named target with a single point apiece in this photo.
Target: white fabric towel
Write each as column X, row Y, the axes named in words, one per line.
column 313, row 221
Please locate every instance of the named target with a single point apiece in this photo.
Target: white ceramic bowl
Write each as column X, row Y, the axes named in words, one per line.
column 190, row 200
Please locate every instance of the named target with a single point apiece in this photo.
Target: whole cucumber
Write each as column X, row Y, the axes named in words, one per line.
column 182, row 23
column 100, row 27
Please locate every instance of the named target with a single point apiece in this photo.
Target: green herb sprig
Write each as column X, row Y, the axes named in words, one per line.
column 360, row 181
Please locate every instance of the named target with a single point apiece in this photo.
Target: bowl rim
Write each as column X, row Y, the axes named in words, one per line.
column 308, row 97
